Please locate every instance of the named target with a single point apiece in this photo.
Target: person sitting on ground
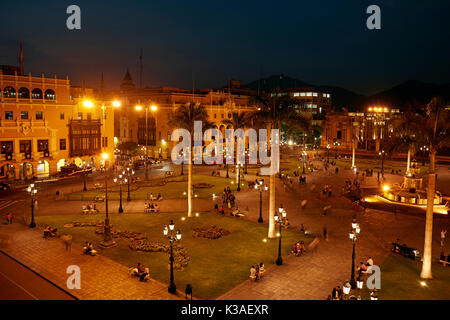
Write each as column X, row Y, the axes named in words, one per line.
column 261, row 268
column 257, row 273
column 301, row 248
column 221, row 210
column 216, row 207
column 295, row 249
column 159, row 196
column 302, row 228
column 213, row 173
column 362, row 268
column 252, row 272
column 89, row 249
column 286, row 223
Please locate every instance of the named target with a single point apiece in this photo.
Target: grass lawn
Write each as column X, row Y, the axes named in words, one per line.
column 215, row 266
column 400, row 280
column 173, row 189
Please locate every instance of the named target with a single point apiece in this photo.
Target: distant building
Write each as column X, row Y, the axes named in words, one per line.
column 310, row 100
column 369, row 128
column 130, row 124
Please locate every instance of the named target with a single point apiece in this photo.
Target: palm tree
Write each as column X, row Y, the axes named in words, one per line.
column 274, row 110
column 434, row 127
column 405, row 135
column 240, row 121
column 184, row 117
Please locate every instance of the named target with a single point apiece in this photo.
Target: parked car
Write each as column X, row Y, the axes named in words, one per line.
column 4, row 186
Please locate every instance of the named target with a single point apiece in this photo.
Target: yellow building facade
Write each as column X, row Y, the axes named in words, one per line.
column 45, row 125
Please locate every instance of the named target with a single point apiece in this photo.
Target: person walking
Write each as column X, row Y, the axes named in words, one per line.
column 443, row 236
column 325, row 233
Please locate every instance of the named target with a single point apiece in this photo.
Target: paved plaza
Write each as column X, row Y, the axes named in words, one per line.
column 311, row 276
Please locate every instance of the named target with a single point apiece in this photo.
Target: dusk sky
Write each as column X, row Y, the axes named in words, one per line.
column 320, row 42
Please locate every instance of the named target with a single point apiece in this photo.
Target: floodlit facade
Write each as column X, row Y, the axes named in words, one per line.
column 44, row 125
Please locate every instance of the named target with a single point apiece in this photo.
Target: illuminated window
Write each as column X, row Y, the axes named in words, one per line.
column 8, row 115
column 309, row 94
column 302, row 94
column 296, row 94
column 315, row 94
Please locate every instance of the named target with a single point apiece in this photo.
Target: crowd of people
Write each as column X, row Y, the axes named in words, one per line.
column 89, row 249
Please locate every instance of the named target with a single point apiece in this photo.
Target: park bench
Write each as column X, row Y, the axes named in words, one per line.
column 444, row 262
column 237, row 213
column 99, row 198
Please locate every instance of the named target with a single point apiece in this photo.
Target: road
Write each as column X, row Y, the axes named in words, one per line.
column 20, row 283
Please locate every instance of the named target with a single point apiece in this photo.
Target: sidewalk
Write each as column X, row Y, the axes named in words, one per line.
column 101, row 278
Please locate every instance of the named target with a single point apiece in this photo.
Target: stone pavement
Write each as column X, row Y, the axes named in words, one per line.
column 101, row 278
column 313, row 275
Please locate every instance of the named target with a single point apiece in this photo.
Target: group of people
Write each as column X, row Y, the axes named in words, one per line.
column 257, row 272
column 151, row 206
column 89, row 208
column 215, row 173
column 302, row 179
column 326, row 191
column 298, row 248
column 141, row 272
column 158, row 197
column 49, row 231
column 89, row 249
column 228, row 197
column 365, row 267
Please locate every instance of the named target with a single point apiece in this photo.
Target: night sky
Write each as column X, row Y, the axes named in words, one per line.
column 320, row 42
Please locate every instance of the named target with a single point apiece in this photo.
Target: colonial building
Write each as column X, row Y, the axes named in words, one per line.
column 130, row 123
column 368, row 129
column 45, row 124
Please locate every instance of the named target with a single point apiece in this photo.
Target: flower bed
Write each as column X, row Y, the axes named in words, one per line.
column 179, row 253
column 212, row 232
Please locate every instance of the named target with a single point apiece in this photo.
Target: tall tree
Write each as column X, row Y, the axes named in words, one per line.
column 274, row 110
column 434, row 127
column 404, row 135
column 184, row 117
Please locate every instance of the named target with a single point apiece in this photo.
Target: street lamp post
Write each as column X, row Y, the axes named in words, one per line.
column 169, row 234
column 85, row 167
column 259, row 186
column 328, row 153
column 353, row 236
column 381, row 153
column 279, row 220
column 304, row 160
column 120, row 179
column 182, row 162
column 108, row 241
column 153, row 108
column 238, row 168
column 130, row 173
column 336, row 144
column 33, row 191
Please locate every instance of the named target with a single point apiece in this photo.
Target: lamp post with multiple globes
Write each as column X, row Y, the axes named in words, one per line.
column 32, row 190
column 354, row 232
column 279, row 219
column 259, row 185
column 169, row 234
